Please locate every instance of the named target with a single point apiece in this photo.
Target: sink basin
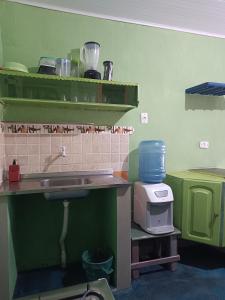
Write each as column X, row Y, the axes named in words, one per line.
column 53, row 182
column 63, row 182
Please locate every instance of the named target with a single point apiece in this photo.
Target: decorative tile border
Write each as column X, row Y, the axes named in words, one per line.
column 67, row 129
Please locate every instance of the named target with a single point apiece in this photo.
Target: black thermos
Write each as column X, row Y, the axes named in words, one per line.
column 108, row 70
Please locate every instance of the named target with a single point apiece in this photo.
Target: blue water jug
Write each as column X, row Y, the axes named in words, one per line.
column 152, row 161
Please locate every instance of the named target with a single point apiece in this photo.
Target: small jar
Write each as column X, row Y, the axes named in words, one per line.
column 47, row 65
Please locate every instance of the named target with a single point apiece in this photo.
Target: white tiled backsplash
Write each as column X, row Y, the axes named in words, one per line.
column 40, row 152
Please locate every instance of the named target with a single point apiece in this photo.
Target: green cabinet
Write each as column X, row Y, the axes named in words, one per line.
column 198, row 207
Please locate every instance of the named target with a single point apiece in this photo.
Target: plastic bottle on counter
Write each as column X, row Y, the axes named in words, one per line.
column 14, row 172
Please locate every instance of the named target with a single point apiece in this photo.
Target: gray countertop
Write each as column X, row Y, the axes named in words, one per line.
column 31, row 184
column 211, row 171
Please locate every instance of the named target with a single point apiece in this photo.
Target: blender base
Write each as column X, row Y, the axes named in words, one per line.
column 93, row 74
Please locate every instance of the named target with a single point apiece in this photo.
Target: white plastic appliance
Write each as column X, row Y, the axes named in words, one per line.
column 153, row 207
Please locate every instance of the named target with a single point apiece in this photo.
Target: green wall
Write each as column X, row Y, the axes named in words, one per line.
column 163, row 62
column 1, row 45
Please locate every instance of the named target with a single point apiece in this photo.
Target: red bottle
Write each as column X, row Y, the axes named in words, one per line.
column 14, row 172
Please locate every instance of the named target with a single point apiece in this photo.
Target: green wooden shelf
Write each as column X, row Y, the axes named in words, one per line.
column 80, row 93
column 7, row 101
column 37, row 76
column 47, row 98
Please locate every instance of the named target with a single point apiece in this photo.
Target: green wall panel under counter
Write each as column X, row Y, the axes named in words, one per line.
column 37, row 224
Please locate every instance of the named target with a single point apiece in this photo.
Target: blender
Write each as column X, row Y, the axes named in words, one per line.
column 90, row 56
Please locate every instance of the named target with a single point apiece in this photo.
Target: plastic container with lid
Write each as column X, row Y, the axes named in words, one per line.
column 47, row 65
column 152, row 161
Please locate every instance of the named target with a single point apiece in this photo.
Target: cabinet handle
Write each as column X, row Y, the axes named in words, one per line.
column 215, row 216
column 213, row 220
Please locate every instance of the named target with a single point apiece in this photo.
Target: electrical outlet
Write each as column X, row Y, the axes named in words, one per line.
column 203, row 144
column 62, row 151
column 144, row 118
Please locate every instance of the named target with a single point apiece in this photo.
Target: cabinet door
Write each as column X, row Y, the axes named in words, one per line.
column 201, row 211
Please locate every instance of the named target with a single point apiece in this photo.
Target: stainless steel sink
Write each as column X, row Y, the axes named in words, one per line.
column 53, row 182
column 65, row 182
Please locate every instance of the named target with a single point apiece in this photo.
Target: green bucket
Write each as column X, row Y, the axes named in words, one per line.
column 97, row 265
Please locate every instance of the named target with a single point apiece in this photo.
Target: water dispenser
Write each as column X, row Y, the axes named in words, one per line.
column 153, row 207
column 153, row 200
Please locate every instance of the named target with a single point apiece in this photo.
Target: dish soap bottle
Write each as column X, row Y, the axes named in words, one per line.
column 14, row 172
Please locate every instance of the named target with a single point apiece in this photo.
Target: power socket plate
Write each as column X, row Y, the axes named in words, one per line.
column 203, row 144
column 144, row 118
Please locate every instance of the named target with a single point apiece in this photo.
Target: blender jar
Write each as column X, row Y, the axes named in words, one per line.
column 91, row 55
